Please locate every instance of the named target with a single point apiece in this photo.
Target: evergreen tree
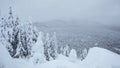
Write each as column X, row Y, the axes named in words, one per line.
column 9, row 32
column 28, row 37
column 53, row 47
column 16, row 36
column 50, row 47
column 38, row 51
column 46, row 47
column 84, row 54
column 66, row 50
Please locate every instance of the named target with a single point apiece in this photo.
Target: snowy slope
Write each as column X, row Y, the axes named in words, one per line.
column 5, row 59
column 96, row 58
column 61, row 62
column 101, row 58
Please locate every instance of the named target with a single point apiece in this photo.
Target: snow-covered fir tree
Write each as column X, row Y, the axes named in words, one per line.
column 46, row 47
column 50, row 47
column 38, row 51
column 53, row 46
column 28, row 37
column 17, row 36
column 84, row 54
column 9, row 32
column 65, row 50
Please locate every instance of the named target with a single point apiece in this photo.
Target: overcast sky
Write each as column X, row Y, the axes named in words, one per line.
column 105, row 11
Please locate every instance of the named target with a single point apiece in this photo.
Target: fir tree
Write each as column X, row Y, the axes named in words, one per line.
column 84, row 53
column 50, row 47
column 53, row 46
column 16, row 36
column 46, row 47
column 66, row 50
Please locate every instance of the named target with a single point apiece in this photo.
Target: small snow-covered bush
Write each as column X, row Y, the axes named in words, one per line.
column 73, row 55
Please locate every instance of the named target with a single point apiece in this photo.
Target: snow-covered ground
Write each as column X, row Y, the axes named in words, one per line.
column 96, row 58
column 101, row 58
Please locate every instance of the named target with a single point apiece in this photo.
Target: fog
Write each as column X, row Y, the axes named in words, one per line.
column 78, row 24
column 102, row 11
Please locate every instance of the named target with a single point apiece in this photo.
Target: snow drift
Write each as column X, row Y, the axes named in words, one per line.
column 101, row 58
column 6, row 61
column 5, row 58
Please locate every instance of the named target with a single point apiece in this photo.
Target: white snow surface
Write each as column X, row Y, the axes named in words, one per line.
column 101, row 58
column 5, row 58
column 6, row 61
column 96, row 58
